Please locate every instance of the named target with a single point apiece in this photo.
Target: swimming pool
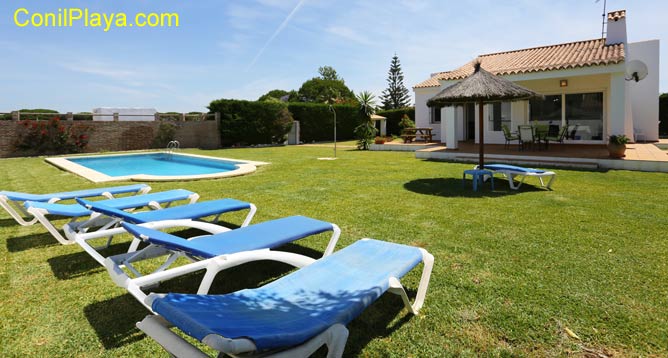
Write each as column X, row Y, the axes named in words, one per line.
column 156, row 166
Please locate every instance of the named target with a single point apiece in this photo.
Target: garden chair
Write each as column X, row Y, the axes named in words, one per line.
column 509, row 135
column 266, row 235
column 183, row 214
column 293, row 316
column 41, row 210
column 557, row 136
column 526, row 136
column 512, row 171
column 13, row 201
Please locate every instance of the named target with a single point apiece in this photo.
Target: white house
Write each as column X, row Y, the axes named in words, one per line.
column 585, row 83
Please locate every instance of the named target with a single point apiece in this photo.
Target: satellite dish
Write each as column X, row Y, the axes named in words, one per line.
column 636, row 70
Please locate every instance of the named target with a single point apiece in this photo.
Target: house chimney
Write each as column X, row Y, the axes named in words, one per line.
column 616, row 32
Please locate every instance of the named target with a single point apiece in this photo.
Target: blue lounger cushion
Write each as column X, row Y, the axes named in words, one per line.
column 513, row 168
column 268, row 234
column 296, row 307
column 128, row 202
column 189, row 211
column 86, row 193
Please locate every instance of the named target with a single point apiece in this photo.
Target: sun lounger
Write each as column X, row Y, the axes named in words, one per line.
column 293, row 316
column 12, row 201
column 184, row 214
column 40, row 210
column 512, row 171
column 265, row 235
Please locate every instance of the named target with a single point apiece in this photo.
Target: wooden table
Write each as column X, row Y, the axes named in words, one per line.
column 410, row 134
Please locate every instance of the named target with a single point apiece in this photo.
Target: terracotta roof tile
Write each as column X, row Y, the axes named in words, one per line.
column 616, row 15
column 431, row 82
column 539, row 59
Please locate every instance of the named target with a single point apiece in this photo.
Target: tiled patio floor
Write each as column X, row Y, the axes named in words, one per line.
column 636, row 151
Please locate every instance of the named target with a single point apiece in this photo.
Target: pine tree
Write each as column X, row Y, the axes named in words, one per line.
column 396, row 95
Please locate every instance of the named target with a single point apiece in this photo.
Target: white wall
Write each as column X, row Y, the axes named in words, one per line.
column 644, row 95
column 422, row 116
column 137, row 114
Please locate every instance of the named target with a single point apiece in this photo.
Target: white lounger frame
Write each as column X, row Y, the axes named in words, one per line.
column 334, row 337
column 213, row 266
column 512, row 174
column 95, row 220
column 78, row 234
column 20, row 214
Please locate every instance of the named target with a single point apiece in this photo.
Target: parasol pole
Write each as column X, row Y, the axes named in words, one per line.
column 481, row 136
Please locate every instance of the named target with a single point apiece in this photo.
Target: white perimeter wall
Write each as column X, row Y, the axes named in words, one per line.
column 645, row 94
column 138, row 114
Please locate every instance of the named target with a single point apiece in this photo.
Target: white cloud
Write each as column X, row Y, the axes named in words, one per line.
column 101, row 69
column 348, row 33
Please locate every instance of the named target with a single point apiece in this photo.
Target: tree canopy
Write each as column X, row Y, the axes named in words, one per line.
column 273, row 95
column 396, row 95
column 329, row 73
column 326, row 88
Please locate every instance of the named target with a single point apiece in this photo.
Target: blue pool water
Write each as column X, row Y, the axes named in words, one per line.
column 161, row 164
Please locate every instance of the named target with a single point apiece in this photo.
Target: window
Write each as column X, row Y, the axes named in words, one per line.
column 546, row 111
column 435, row 115
column 584, row 115
column 500, row 115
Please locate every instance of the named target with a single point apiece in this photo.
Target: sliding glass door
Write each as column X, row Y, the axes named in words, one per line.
column 582, row 113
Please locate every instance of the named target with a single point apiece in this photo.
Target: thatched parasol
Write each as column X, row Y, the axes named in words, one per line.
column 481, row 87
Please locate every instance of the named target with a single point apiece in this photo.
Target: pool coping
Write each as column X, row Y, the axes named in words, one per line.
column 244, row 167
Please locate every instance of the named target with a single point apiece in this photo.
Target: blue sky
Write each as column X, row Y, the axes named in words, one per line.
column 244, row 48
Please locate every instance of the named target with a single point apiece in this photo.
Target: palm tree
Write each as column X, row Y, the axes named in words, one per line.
column 366, row 131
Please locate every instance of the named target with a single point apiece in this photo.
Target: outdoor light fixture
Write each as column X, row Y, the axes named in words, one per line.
column 563, row 83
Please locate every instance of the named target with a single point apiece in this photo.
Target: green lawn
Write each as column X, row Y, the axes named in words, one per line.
column 513, row 270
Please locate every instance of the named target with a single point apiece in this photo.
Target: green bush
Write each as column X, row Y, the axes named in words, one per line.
column 394, row 118
column 245, row 122
column 316, row 121
column 166, row 133
column 83, row 116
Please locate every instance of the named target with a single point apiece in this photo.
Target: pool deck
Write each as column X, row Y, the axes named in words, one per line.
column 244, row 167
column 639, row 156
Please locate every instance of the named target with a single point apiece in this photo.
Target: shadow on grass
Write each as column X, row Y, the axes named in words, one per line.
column 114, row 320
column 377, row 322
column 8, row 222
column 74, row 265
column 34, row 241
column 452, row 187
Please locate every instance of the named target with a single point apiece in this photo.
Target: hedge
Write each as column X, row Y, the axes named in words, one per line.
column 246, row 123
column 47, row 114
column 394, row 117
column 316, row 121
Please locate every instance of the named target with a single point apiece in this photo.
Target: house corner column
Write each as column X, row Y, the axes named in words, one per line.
column 449, row 127
column 619, row 110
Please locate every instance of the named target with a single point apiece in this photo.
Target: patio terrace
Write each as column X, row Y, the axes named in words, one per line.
column 639, row 156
